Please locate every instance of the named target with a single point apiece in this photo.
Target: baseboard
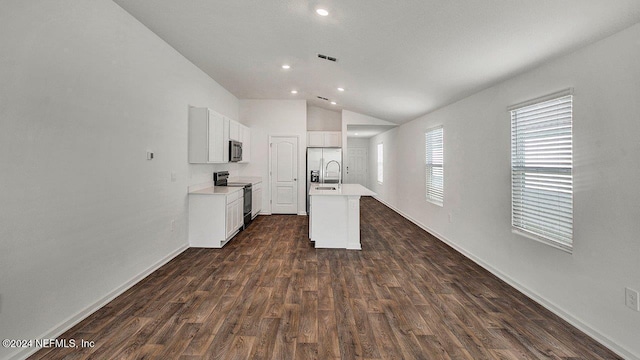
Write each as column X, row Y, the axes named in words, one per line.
column 83, row 314
column 566, row 316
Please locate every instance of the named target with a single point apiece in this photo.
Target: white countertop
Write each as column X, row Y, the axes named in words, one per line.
column 216, row 190
column 343, row 190
column 246, row 179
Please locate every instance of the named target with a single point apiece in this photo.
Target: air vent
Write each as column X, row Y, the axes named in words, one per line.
column 323, row 98
column 330, row 58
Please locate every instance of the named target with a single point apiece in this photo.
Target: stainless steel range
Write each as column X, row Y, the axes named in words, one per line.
column 220, row 178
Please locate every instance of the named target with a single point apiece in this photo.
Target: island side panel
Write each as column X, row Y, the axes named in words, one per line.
column 353, row 241
column 329, row 221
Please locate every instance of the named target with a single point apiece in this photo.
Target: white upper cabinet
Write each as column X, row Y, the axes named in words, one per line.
column 245, row 139
column 315, row 139
column 324, row 139
column 234, row 130
column 208, row 137
column 332, row 139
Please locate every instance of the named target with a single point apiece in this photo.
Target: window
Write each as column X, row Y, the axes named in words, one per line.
column 434, row 143
column 541, row 170
column 380, row 158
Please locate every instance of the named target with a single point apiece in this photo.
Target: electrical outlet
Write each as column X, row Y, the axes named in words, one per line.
column 173, row 225
column 450, row 217
column 174, row 176
column 631, row 299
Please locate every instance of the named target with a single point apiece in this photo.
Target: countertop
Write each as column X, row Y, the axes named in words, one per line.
column 216, row 190
column 246, row 179
column 343, row 190
column 208, row 188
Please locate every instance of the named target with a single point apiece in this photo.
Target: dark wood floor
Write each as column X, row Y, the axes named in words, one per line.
column 270, row 295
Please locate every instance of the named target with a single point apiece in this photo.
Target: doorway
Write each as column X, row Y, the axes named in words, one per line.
column 357, row 166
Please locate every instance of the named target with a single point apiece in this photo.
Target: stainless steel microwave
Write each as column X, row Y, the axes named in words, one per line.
column 235, row 151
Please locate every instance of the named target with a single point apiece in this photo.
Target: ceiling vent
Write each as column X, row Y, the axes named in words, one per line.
column 323, row 98
column 330, row 58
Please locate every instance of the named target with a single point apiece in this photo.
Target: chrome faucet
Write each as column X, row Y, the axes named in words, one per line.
column 339, row 172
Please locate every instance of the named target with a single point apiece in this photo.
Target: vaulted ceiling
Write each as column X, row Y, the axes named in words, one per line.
column 396, row 60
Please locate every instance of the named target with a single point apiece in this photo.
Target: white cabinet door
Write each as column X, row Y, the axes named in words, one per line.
column 239, row 212
column 216, row 138
column 234, row 130
column 231, row 218
column 324, row 139
column 245, row 138
column 208, row 137
column 256, row 199
column 332, row 139
column 315, row 139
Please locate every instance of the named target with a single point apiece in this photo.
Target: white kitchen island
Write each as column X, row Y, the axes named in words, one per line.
column 334, row 215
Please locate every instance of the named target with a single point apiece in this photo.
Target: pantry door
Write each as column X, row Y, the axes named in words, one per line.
column 284, row 174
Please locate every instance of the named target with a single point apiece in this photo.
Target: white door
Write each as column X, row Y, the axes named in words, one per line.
column 356, row 169
column 284, row 175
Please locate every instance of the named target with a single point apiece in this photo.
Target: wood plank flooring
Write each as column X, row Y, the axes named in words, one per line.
column 270, row 295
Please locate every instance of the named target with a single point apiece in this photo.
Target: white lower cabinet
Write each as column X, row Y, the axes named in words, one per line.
column 214, row 219
column 256, row 199
column 231, row 219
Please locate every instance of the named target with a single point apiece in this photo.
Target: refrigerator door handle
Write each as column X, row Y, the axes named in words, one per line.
column 321, row 171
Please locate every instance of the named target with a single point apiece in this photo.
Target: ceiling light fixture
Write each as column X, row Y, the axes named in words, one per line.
column 322, row 12
column 294, row 91
column 356, row 134
column 333, row 103
column 286, row 67
column 340, row 89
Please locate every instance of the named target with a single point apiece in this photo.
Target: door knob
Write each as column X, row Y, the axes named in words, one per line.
column 295, row 179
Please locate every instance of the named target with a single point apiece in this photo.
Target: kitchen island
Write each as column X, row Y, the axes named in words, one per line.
column 334, row 215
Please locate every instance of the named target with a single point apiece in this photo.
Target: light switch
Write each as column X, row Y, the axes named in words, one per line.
column 149, row 155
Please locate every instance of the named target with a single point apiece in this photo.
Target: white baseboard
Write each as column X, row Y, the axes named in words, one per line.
column 84, row 313
column 566, row 316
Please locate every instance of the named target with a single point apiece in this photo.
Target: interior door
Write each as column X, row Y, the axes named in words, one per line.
column 284, row 175
column 356, row 169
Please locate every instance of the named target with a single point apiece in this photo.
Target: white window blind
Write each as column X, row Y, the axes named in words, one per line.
column 380, row 162
column 434, row 144
column 541, row 170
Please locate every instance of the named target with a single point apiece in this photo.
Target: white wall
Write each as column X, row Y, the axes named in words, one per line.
column 387, row 191
column 269, row 118
column 319, row 119
column 85, row 91
column 354, row 142
column 586, row 287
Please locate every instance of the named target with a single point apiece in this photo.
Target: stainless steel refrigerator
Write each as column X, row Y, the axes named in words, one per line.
column 324, row 165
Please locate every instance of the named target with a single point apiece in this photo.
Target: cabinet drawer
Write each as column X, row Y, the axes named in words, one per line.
column 233, row 197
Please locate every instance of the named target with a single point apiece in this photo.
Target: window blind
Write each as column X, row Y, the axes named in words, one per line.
column 541, row 170
column 434, row 150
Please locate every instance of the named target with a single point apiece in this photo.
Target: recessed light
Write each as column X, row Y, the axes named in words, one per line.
column 322, row 12
column 286, row 67
column 356, row 134
column 340, row 89
column 294, row 91
column 333, row 103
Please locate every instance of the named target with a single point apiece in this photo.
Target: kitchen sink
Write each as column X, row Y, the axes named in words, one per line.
column 325, row 188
